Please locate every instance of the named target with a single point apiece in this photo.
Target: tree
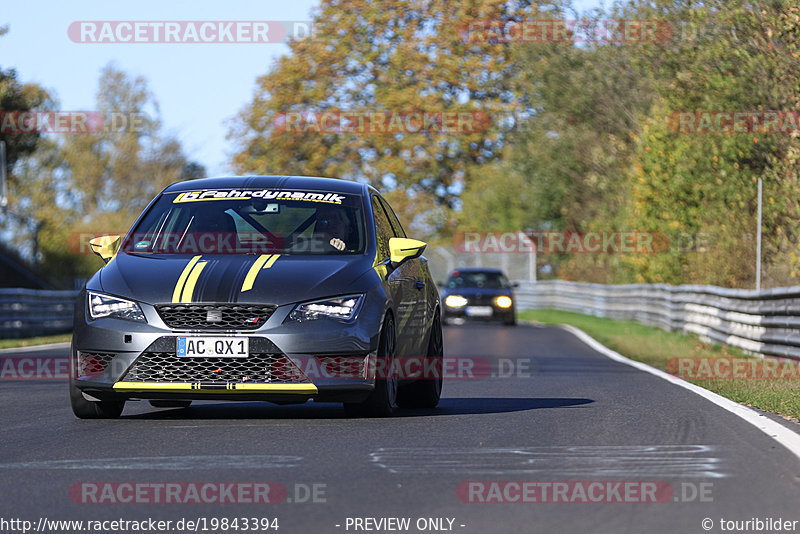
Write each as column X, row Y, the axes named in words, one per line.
column 599, row 149
column 99, row 182
column 397, row 56
column 565, row 166
column 18, row 97
column 705, row 184
column 122, row 167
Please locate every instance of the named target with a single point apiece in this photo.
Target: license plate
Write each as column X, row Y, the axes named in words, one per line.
column 213, row 347
column 479, row 311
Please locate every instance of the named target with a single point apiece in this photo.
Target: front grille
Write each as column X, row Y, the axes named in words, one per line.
column 257, row 368
column 92, row 363
column 224, row 316
column 481, row 300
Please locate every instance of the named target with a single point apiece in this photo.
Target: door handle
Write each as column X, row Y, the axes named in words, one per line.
column 419, row 285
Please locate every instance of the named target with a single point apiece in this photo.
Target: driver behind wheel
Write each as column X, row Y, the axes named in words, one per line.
column 333, row 226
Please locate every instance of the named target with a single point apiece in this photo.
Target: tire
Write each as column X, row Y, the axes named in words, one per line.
column 510, row 322
column 158, row 403
column 425, row 393
column 381, row 401
column 86, row 409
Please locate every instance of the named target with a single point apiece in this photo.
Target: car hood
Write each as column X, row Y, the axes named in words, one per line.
column 224, row 277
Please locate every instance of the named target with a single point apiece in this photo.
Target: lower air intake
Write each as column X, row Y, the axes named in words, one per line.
column 257, row 368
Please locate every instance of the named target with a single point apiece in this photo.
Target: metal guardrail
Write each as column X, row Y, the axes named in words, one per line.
column 35, row 312
column 764, row 323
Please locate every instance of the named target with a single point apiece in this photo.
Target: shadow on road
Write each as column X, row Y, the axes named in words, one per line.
column 258, row 410
column 489, row 405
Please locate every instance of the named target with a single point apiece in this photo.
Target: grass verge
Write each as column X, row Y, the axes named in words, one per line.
column 661, row 349
column 30, row 341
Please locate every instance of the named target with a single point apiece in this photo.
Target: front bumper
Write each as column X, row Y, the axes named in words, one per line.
column 479, row 309
column 324, row 360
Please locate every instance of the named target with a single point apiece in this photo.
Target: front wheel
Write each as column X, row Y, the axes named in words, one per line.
column 83, row 408
column 426, row 392
column 381, row 400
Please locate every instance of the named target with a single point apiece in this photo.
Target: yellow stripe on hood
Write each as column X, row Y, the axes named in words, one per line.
column 250, row 279
column 265, row 261
column 176, row 294
column 188, row 289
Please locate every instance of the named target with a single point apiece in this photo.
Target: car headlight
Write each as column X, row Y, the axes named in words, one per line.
column 107, row 306
column 503, row 302
column 455, row 301
column 342, row 308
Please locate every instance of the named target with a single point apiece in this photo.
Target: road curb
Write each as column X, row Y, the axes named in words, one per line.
column 783, row 435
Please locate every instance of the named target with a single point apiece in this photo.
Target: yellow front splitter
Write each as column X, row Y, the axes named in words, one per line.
column 200, row 387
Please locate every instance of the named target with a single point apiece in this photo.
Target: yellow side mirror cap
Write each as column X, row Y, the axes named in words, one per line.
column 402, row 249
column 105, row 246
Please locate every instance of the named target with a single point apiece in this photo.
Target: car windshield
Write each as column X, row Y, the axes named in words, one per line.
column 251, row 221
column 486, row 280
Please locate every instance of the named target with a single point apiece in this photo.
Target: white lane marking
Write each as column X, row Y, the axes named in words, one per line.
column 680, row 461
column 172, row 463
column 34, row 348
column 775, row 430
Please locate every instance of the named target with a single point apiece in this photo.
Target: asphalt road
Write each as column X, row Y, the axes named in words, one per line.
column 555, row 411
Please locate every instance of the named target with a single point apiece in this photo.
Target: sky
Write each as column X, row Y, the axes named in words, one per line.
column 199, row 87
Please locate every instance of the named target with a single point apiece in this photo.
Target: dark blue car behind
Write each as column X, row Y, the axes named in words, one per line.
column 478, row 293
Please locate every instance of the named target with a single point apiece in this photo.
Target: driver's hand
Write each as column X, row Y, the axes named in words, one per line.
column 337, row 243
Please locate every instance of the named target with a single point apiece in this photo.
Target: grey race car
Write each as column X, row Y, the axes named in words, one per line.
column 274, row 288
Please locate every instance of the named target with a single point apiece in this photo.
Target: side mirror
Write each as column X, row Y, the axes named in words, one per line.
column 514, row 284
column 402, row 249
column 105, row 246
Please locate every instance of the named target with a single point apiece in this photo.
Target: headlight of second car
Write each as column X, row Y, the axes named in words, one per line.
column 503, row 302
column 101, row 305
column 455, row 301
column 342, row 308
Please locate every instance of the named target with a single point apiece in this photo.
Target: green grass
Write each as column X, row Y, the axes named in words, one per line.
column 657, row 347
column 27, row 342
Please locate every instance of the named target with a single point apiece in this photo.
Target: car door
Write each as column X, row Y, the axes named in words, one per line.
column 415, row 282
column 398, row 280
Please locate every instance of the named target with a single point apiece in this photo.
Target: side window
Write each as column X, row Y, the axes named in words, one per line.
column 383, row 229
column 396, row 226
